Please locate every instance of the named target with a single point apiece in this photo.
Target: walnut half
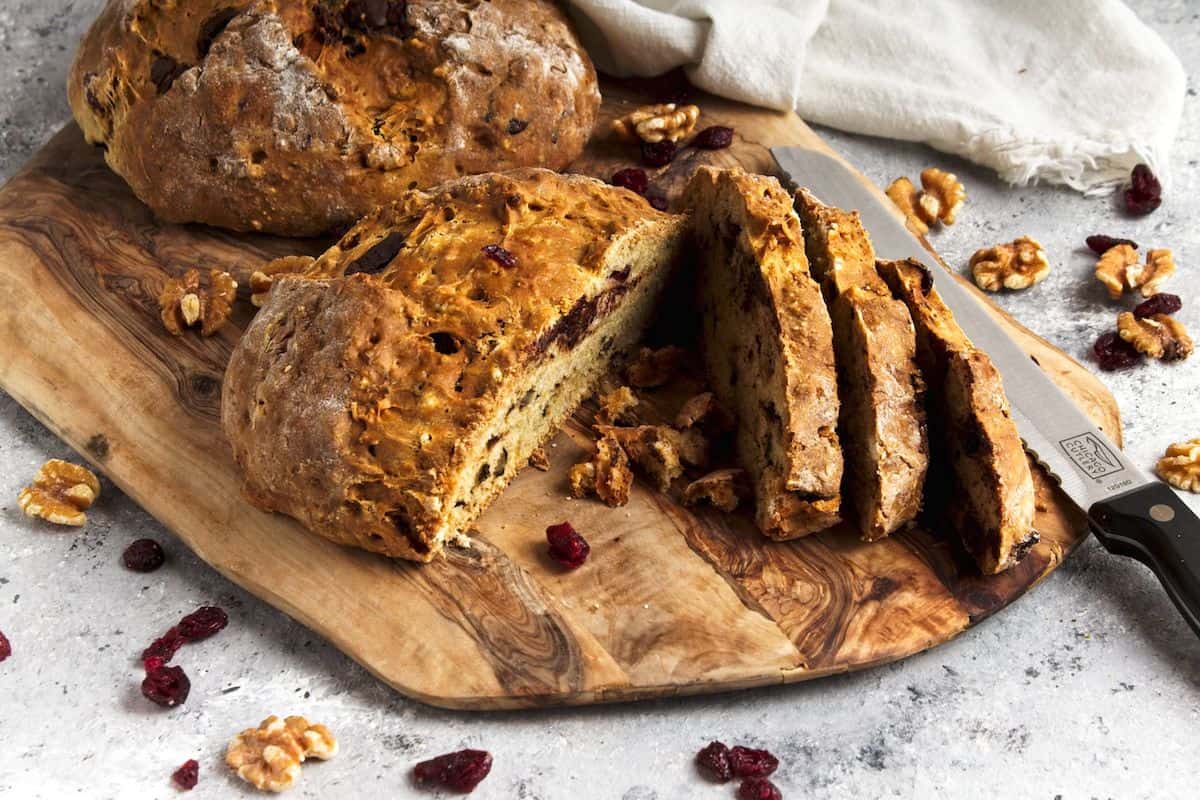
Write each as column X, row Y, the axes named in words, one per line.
column 1017, row 265
column 60, row 493
column 184, row 302
column 269, row 756
column 1157, row 336
column 1118, row 269
column 656, row 123
column 939, row 200
column 1180, row 465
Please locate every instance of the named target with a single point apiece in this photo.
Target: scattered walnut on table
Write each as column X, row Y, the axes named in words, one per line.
column 724, row 488
column 944, row 195
column 608, row 475
column 269, row 756
column 184, row 302
column 261, row 280
column 60, row 493
column 616, row 407
column 903, row 193
column 1017, row 265
column 656, row 123
column 1180, row 465
column 539, row 459
column 651, row 447
column 1119, row 270
column 1157, row 336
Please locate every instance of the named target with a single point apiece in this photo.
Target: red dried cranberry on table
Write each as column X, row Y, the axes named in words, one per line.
column 143, row 555
column 188, row 775
column 713, row 761
column 567, row 547
column 202, row 623
column 631, row 178
column 1144, row 193
column 658, row 154
column 459, row 772
column 5, row 647
column 747, row 762
column 758, row 789
column 1101, row 244
column 167, row 686
column 715, row 137
column 501, row 256
column 163, row 648
column 1113, row 353
column 1161, row 303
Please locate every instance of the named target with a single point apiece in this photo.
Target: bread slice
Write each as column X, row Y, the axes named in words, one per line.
column 388, row 394
column 974, row 424
column 882, row 426
column 768, row 347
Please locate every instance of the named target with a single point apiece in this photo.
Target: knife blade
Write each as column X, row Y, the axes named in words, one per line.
column 1131, row 513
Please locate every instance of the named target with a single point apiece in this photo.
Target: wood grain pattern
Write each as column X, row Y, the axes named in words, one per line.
column 673, row 600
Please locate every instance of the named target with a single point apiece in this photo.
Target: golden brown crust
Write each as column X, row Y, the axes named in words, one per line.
column 976, row 426
column 300, row 116
column 883, row 417
column 359, row 391
column 769, row 347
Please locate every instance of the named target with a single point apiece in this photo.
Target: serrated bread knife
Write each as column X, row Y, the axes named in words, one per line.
column 1131, row 513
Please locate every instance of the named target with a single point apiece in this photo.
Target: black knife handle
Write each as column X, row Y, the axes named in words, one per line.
column 1154, row 526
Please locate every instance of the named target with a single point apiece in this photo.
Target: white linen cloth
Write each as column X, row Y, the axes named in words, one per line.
column 1071, row 92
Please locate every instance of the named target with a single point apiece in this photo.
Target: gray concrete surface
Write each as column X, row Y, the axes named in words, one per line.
column 1087, row 688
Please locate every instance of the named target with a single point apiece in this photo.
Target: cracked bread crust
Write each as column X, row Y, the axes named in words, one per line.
column 882, row 429
column 768, row 348
column 385, row 396
column 976, row 425
column 298, row 117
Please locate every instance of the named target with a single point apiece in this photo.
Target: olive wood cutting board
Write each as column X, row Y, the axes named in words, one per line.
column 671, row 601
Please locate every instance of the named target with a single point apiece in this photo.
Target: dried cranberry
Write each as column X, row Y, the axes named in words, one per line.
column 188, row 775
column 658, row 154
column 657, row 201
column 758, row 789
column 460, row 772
column 631, row 178
column 1161, row 303
column 747, row 762
column 1144, row 193
column 715, row 137
column 5, row 647
column 567, row 547
column 163, row 648
column 1112, row 352
column 501, row 256
column 143, row 555
column 1101, row 244
column 515, row 126
column 202, row 623
column 167, row 686
column 151, row 663
column 713, row 760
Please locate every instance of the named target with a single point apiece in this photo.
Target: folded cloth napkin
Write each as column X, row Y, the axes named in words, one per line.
column 1071, row 92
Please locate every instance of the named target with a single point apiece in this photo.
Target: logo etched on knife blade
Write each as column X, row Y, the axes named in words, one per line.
column 1091, row 455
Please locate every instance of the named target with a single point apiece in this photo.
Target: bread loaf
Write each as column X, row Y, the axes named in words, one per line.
column 386, row 395
column 298, row 117
column 768, row 347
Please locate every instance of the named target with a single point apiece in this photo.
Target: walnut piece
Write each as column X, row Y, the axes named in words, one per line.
column 616, row 407
column 184, row 302
column 651, row 447
column 1157, row 336
column 59, row 493
column 658, row 122
column 269, row 756
column 905, row 196
column 607, row 475
column 261, row 280
column 652, row 368
column 1017, row 265
column 1118, row 269
column 724, row 488
column 539, row 460
column 944, row 195
column 1180, row 465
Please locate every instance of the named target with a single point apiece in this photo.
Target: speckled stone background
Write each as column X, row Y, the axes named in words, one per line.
column 1089, row 687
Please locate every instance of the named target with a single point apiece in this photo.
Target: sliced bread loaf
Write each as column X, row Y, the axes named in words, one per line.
column 882, row 428
column 386, row 395
column 768, row 347
column 974, row 424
